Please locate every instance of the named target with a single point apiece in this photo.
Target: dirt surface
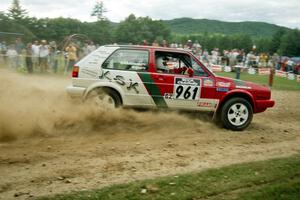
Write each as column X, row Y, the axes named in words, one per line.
column 50, row 144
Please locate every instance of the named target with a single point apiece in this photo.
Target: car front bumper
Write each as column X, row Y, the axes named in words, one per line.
column 262, row 105
column 75, row 91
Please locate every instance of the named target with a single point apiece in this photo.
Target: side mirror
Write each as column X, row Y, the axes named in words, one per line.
column 190, row 72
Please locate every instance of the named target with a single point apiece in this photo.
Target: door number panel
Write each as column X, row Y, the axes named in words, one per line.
column 186, row 88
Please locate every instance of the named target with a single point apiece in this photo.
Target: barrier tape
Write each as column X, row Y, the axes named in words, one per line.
column 259, row 71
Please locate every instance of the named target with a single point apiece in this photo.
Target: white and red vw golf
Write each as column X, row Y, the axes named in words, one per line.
column 142, row 76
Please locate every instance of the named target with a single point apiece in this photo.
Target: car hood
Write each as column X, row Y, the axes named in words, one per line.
column 239, row 84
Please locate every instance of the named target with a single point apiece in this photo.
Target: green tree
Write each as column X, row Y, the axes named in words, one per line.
column 100, row 32
column 9, row 25
column 98, row 11
column 276, row 40
column 263, row 45
column 16, row 12
column 57, row 28
column 290, row 43
column 135, row 30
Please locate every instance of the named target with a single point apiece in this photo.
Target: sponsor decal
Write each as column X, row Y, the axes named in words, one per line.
column 208, row 82
column 129, row 84
column 243, row 87
column 186, row 88
column 208, row 103
column 187, row 81
column 223, row 84
column 168, row 96
column 221, row 89
column 263, row 71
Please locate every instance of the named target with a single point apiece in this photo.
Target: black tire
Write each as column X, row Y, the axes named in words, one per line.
column 100, row 92
column 236, row 114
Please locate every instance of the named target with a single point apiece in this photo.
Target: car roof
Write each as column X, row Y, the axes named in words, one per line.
column 150, row 47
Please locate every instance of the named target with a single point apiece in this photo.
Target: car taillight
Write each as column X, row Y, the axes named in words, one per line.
column 75, row 72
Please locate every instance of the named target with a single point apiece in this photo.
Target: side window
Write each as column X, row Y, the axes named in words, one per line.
column 198, row 70
column 170, row 63
column 125, row 59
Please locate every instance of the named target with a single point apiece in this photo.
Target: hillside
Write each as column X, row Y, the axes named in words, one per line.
column 194, row 26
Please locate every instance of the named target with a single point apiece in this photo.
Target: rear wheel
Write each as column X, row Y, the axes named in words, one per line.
column 104, row 97
column 236, row 114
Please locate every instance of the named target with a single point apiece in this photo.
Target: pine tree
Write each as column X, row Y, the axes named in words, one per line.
column 99, row 11
column 16, row 12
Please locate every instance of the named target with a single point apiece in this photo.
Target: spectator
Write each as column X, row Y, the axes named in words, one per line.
column 12, row 55
column 28, row 59
column 72, row 56
column 155, row 43
column 19, row 46
column 85, row 49
column 290, row 66
column 225, row 58
column 164, row 43
column 189, row 44
column 274, row 61
column 240, row 57
column 3, row 49
column 174, row 45
column 215, row 56
column 91, row 47
column 145, row 43
column 53, row 59
column 35, row 54
column 43, row 56
column 232, row 58
column 205, row 56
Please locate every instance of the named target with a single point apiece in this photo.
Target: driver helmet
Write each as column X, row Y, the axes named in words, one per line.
column 161, row 64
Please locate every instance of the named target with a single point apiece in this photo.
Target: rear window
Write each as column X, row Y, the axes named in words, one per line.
column 126, row 59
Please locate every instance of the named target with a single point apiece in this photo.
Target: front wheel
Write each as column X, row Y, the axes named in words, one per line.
column 236, row 114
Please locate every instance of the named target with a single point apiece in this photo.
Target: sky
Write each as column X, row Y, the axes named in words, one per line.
column 280, row 12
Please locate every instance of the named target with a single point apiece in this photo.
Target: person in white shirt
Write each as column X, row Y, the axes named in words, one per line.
column 12, row 55
column 35, row 54
column 43, row 55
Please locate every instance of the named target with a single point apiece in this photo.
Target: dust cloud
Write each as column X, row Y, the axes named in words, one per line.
column 38, row 106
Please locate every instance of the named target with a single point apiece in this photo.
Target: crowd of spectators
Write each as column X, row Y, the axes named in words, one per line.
column 234, row 57
column 42, row 56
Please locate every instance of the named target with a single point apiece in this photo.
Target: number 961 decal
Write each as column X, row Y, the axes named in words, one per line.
column 186, row 88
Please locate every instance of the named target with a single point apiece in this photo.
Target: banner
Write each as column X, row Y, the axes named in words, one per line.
column 291, row 76
column 217, row 68
column 227, row 69
column 264, row 71
column 280, row 73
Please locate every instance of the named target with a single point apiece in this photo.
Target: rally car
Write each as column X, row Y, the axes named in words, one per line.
column 155, row 77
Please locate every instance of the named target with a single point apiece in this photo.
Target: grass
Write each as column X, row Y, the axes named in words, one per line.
column 278, row 82
column 267, row 180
